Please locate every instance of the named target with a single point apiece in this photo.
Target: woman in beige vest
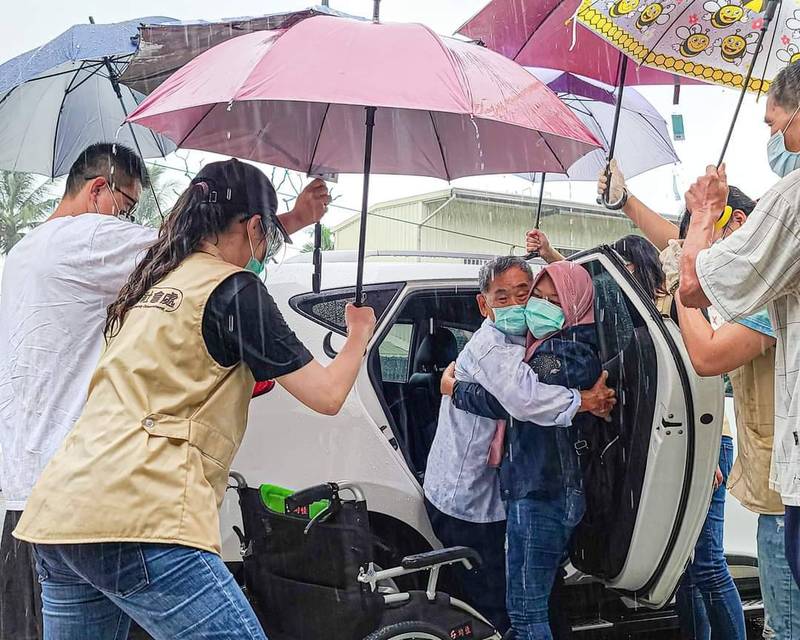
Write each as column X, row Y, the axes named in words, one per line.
column 125, row 517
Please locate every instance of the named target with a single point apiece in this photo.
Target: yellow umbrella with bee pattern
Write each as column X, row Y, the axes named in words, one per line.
column 733, row 43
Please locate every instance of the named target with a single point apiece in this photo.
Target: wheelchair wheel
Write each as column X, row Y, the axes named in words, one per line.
column 409, row 630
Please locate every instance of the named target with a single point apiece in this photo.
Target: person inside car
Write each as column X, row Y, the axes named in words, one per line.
column 540, row 474
column 462, row 491
column 125, row 517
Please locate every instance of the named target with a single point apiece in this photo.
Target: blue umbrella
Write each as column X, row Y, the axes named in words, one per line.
column 643, row 141
column 65, row 95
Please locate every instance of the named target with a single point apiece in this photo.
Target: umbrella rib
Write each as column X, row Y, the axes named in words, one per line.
column 58, row 118
column 152, row 133
column 530, row 36
column 319, row 135
column 48, row 76
column 561, row 164
column 441, row 148
column 197, row 124
column 769, row 51
column 600, row 128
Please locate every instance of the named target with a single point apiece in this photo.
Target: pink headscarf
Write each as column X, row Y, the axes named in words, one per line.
column 576, row 295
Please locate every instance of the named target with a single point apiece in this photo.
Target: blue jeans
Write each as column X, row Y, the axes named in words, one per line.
column 172, row 592
column 791, row 534
column 707, row 600
column 781, row 594
column 538, row 534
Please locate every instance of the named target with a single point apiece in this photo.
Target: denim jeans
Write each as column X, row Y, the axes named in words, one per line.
column 791, row 533
column 707, row 600
column 538, row 534
column 172, row 592
column 781, row 595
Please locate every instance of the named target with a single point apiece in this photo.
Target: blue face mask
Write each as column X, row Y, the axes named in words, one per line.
column 543, row 318
column 781, row 160
column 511, row 320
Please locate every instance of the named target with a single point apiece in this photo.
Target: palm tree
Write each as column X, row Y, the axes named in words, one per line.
column 327, row 241
column 24, row 202
column 166, row 190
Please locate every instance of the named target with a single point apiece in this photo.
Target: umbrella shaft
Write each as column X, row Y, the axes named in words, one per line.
column 768, row 15
column 541, row 197
column 362, row 235
column 623, row 72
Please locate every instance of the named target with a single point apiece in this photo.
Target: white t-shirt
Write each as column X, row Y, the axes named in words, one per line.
column 759, row 265
column 56, row 285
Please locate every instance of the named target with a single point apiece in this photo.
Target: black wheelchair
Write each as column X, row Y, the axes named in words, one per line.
column 309, row 572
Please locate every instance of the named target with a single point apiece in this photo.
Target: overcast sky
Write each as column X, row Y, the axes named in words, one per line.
column 706, row 109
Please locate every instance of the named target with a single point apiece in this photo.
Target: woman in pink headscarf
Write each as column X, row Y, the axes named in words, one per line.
column 540, row 471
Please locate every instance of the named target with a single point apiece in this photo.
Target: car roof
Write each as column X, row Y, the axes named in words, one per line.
column 339, row 268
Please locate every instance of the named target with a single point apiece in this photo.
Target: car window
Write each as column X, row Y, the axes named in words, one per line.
column 394, row 353
column 462, row 335
column 327, row 307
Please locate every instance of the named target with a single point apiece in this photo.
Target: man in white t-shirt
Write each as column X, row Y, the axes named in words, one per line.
column 57, row 283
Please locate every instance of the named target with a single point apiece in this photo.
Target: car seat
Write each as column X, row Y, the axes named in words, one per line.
column 435, row 352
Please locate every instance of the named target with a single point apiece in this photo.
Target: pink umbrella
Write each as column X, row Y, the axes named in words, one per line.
column 330, row 96
column 543, row 33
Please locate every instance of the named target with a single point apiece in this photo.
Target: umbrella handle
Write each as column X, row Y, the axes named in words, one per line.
column 603, row 199
column 316, row 277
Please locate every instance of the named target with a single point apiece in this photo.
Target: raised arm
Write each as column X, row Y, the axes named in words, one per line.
column 655, row 227
column 721, row 351
column 325, row 388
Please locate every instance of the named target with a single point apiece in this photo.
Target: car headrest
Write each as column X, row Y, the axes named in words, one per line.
column 436, row 351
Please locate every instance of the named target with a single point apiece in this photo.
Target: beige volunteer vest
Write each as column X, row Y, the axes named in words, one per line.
column 148, row 460
column 754, row 401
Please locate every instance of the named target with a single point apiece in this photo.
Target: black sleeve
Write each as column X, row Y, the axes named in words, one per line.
column 473, row 398
column 242, row 323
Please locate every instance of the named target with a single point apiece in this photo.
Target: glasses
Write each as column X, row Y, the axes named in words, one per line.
column 273, row 237
column 126, row 213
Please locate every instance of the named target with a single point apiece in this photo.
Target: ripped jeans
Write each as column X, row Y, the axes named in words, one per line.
column 538, row 532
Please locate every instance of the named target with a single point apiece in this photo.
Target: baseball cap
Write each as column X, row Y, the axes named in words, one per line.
column 240, row 186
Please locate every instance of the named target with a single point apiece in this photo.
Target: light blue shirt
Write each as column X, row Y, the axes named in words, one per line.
column 759, row 322
column 458, row 482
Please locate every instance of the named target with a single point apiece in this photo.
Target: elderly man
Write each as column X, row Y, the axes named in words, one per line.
column 57, row 283
column 758, row 266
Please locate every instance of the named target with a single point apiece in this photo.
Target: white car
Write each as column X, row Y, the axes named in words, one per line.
column 660, row 468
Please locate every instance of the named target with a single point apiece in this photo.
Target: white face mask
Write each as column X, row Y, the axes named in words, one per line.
column 781, row 160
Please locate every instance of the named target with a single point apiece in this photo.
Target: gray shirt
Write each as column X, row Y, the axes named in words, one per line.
column 458, row 481
column 756, row 266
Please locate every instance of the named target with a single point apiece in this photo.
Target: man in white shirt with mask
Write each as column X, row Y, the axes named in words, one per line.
column 57, row 282
column 759, row 266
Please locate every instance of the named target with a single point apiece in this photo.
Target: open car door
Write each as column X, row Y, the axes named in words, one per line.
column 649, row 470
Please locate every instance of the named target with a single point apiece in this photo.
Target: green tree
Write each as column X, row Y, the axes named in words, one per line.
column 167, row 191
column 24, row 202
column 327, row 241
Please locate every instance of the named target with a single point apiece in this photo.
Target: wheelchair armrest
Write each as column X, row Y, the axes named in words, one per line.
column 450, row 555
